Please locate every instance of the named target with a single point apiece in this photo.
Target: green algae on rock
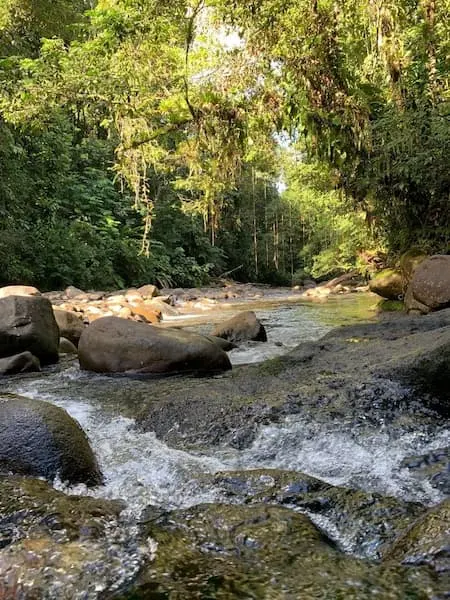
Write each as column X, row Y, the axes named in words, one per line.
column 227, row 552
column 56, row 546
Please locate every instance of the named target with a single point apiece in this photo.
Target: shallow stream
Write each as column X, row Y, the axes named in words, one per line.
column 143, row 470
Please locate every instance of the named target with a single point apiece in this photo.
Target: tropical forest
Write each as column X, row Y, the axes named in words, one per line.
column 224, row 299
column 171, row 142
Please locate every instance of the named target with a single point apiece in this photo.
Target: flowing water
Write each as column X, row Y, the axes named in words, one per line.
column 143, row 470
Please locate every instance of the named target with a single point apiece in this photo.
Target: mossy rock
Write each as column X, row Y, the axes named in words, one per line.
column 368, row 520
column 29, row 505
column 426, row 541
column 226, row 552
column 388, row 284
column 409, row 261
column 56, row 546
column 40, row 439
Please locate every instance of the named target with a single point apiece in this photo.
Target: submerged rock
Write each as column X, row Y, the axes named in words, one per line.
column 242, row 327
column 40, row 439
column 27, row 323
column 114, row 345
column 228, row 552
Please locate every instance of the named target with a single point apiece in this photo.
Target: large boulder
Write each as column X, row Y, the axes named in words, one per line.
column 70, row 324
column 28, row 323
column 388, row 284
column 19, row 290
column 430, row 284
column 413, row 306
column 24, row 362
column 114, row 345
column 41, row 439
column 242, row 327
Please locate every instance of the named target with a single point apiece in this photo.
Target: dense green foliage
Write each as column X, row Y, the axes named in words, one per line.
column 146, row 141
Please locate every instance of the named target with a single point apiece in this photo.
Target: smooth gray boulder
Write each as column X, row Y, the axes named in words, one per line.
column 430, row 284
column 242, row 327
column 24, row 362
column 27, row 323
column 114, row 345
column 40, row 439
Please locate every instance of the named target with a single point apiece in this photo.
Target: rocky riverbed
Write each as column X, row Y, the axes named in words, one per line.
column 320, row 473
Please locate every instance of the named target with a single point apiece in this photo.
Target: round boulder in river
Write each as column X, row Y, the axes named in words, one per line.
column 114, row 345
column 41, row 439
column 242, row 327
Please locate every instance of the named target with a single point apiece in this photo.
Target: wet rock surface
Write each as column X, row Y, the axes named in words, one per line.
column 40, row 439
column 367, row 521
column 359, row 375
column 345, row 408
column 225, row 552
column 426, row 542
column 55, row 546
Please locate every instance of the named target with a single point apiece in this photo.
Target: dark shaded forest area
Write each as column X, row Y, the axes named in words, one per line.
column 174, row 141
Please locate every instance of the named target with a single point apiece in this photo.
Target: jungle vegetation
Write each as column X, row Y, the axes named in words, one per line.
column 145, row 141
